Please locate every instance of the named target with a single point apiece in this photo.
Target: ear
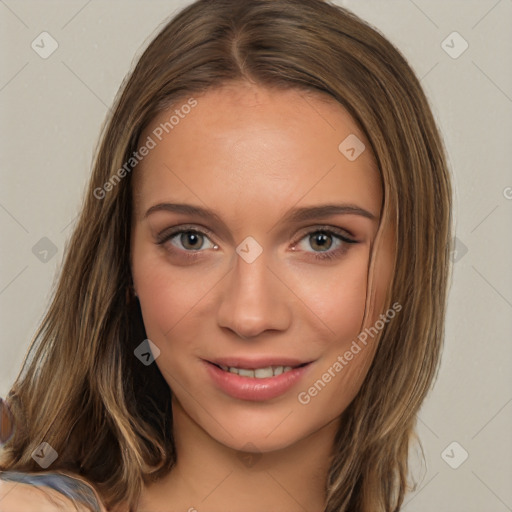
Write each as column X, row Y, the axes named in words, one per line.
column 130, row 291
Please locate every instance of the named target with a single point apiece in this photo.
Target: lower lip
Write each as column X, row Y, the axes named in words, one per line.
column 251, row 388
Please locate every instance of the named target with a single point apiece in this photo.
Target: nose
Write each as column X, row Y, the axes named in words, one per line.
column 254, row 300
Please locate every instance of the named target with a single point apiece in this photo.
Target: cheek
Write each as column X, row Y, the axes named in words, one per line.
column 345, row 358
column 173, row 301
column 337, row 295
column 168, row 295
column 164, row 300
column 168, row 300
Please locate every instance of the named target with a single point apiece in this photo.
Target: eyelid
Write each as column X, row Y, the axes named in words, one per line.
column 168, row 233
column 330, row 254
column 344, row 234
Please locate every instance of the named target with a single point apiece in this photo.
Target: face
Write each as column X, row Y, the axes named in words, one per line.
column 251, row 239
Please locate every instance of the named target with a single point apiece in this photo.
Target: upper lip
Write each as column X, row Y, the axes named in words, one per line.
column 257, row 362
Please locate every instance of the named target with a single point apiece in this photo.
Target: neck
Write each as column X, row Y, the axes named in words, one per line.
column 211, row 476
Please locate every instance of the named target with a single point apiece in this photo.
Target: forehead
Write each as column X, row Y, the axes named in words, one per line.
column 244, row 145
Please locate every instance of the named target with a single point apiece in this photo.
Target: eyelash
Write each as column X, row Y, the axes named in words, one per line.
column 166, row 236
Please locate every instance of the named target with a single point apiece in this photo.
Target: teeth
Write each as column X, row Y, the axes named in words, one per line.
column 258, row 373
column 264, row 373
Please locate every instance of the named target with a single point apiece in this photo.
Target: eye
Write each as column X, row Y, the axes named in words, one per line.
column 321, row 241
column 187, row 240
column 191, row 240
column 326, row 243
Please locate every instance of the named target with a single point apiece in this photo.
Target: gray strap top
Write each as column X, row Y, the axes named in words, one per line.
column 70, row 487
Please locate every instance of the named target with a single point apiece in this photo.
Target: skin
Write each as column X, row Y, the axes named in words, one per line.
column 252, row 154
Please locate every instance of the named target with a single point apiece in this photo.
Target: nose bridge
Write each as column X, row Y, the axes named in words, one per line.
column 254, row 300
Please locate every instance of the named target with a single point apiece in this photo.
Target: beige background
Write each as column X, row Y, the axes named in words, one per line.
column 51, row 113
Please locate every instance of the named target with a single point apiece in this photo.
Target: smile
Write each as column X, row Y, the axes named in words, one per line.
column 258, row 373
column 259, row 383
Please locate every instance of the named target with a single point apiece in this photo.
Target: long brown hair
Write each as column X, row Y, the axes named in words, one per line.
column 81, row 389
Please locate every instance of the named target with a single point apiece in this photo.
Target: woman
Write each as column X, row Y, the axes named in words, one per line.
column 252, row 305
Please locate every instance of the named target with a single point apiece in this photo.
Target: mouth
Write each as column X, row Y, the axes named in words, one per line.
column 257, row 380
column 264, row 372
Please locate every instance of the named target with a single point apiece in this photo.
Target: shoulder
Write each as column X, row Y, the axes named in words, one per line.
column 20, row 496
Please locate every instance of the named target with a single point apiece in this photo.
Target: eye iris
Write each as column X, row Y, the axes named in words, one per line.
column 321, row 240
column 191, row 240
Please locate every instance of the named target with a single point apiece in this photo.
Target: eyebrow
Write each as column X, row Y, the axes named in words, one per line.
column 313, row 212
column 295, row 215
